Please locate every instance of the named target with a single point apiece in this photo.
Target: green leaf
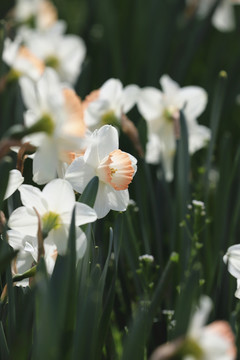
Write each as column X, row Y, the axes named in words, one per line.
column 7, row 254
column 90, row 192
column 189, row 293
column 3, row 344
column 216, row 110
column 182, row 167
column 143, row 133
column 6, row 165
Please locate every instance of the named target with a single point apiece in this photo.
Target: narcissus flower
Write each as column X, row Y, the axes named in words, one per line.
column 63, row 53
column 216, row 340
column 212, row 342
column 161, row 109
column 232, row 259
column 27, row 256
column 40, row 14
column 223, row 18
column 21, row 60
column 54, row 204
column 56, row 115
column 106, row 105
column 114, row 168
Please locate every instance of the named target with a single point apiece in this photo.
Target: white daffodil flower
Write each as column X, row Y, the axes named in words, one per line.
column 161, row 111
column 40, row 14
column 21, row 60
column 64, row 53
column 54, row 204
column 15, row 180
column 232, row 260
column 56, row 113
column 212, row 342
column 114, row 168
column 27, row 256
column 109, row 103
column 223, row 18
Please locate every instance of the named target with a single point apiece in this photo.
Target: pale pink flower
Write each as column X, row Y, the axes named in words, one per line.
column 114, row 168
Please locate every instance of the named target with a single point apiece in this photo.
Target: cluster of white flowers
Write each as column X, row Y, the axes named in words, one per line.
column 59, row 126
column 40, row 42
column 74, row 139
column 147, row 258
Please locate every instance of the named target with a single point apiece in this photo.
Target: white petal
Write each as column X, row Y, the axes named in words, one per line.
column 169, row 86
column 60, row 238
column 153, row 149
column 30, row 118
column 15, row 239
column 45, row 162
column 59, row 195
column 10, row 50
column 168, row 162
column 84, row 214
column 31, row 247
column 50, row 93
column 15, row 180
column 71, row 52
column 23, row 263
column 130, row 97
column 198, row 137
column 107, row 141
column 118, row 200
column 200, row 316
column 32, row 197
column 223, row 18
column 29, row 94
column 232, row 259
column 195, row 100
column 93, row 113
column 79, row 174
column 102, row 206
column 91, row 154
column 111, row 91
column 50, row 254
column 150, row 103
column 24, row 220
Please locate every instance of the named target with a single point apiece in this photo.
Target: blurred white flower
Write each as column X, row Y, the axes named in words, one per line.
column 198, row 203
column 114, row 168
column 161, row 111
column 27, row 256
column 56, row 113
column 64, row 53
column 20, row 59
column 147, row 258
column 232, row 260
column 15, row 180
column 223, row 18
column 40, row 14
column 109, row 103
column 54, row 204
column 214, row 341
